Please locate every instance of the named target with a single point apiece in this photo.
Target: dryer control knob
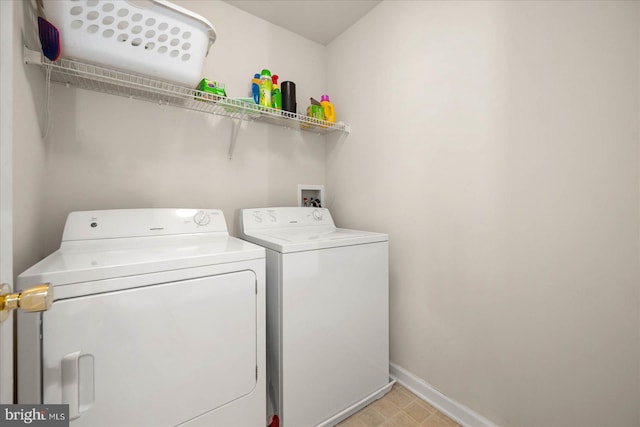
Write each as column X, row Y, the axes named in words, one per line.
column 202, row 218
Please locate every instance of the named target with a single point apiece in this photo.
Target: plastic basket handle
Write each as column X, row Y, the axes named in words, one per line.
column 142, row 4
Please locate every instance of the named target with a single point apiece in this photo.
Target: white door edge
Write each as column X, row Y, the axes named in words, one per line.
column 6, row 170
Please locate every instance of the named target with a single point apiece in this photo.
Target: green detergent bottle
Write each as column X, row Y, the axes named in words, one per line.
column 276, row 95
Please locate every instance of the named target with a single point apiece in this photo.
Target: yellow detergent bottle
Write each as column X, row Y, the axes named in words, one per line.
column 266, row 86
column 329, row 112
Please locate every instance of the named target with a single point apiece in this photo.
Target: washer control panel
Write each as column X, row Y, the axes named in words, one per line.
column 116, row 223
column 257, row 219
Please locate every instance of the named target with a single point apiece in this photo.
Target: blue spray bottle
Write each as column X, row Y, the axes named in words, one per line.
column 255, row 88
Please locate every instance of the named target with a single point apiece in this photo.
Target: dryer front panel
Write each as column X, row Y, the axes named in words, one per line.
column 157, row 355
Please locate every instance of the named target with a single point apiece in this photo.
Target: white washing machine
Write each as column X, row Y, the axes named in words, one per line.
column 327, row 314
column 158, row 319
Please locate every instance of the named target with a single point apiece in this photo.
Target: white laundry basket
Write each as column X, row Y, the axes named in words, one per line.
column 151, row 37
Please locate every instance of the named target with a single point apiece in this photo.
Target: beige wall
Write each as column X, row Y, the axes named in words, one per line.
column 28, row 146
column 497, row 144
column 105, row 151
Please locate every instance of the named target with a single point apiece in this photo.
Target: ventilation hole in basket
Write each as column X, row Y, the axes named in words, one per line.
column 108, row 7
column 108, row 20
column 123, row 24
column 162, row 49
column 175, row 30
column 150, row 22
column 123, row 12
column 149, row 46
column 186, row 46
column 137, row 29
column 93, row 28
column 108, row 33
column 136, row 42
column 92, row 3
column 186, row 57
column 163, row 38
column 186, row 35
column 123, row 37
column 76, row 10
column 76, row 24
column 174, row 42
column 136, row 17
column 174, row 53
column 163, row 26
column 93, row 15
column 149, row 34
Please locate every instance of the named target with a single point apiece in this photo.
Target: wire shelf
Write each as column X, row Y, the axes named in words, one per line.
column 100, row 79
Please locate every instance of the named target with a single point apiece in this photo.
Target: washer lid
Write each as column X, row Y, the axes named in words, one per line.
column 292, row 229
column 89, row 260
column 287, row 240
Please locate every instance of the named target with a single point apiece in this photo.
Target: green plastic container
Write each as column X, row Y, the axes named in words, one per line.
column 216, row 89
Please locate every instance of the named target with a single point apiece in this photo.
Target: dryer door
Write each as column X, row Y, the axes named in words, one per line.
column 157, row 355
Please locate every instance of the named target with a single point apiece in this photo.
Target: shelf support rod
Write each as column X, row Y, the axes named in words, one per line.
column 46, row 114
column 34, row 57
column 235, row 128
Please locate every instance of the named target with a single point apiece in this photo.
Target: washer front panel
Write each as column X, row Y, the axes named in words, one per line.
column 334, row 331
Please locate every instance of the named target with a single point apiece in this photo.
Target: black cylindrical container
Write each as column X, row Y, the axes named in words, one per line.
column 288, row 90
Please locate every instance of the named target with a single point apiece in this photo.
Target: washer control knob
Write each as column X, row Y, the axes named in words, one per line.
column 202, row 218
column 317, row 215
column 257, row 216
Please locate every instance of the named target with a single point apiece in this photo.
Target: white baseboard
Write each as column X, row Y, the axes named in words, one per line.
column 454, row 410
column 358, row 405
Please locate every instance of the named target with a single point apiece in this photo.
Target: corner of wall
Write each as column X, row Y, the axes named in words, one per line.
column 453, row 409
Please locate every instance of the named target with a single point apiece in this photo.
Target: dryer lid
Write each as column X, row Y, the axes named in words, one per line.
column 100, row 245
column 116, row 258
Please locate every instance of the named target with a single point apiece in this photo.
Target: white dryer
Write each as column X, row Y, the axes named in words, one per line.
column 158, row 319
column 327, row 314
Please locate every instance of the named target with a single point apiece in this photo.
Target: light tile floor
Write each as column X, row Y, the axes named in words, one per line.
column 398, row 408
